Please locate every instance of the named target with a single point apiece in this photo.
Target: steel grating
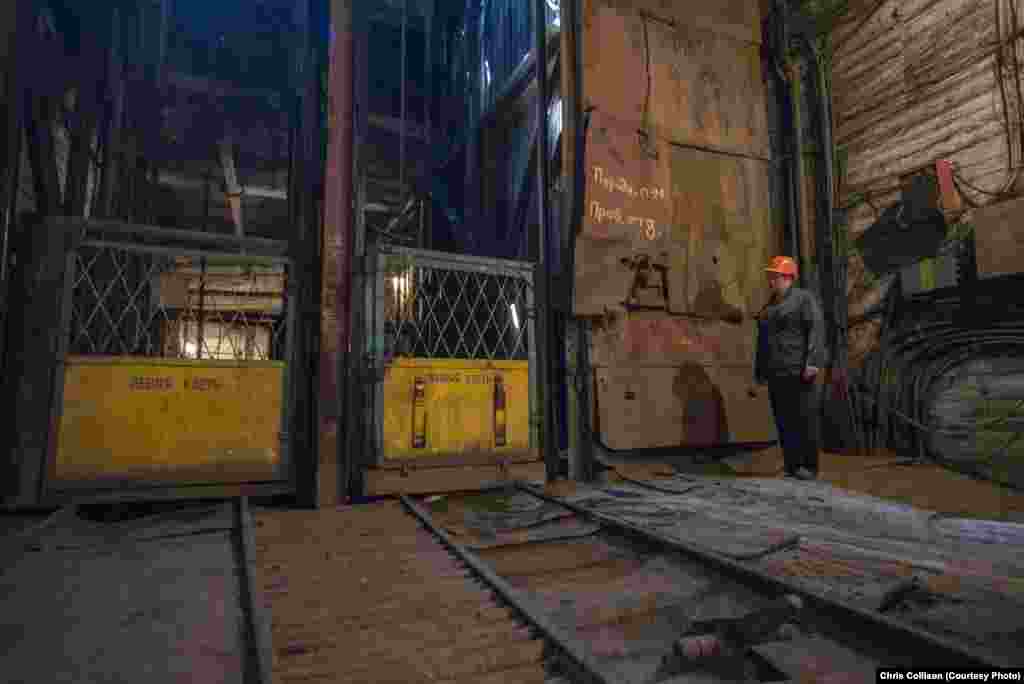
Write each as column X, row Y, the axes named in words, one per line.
column 435, row 312
column 132, row 302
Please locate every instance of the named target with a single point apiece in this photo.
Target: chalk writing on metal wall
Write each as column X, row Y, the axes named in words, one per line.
column 622, row 185
column 601, row 214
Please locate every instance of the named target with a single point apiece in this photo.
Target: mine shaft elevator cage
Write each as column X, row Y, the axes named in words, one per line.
column 173, row 367
column 450, row 338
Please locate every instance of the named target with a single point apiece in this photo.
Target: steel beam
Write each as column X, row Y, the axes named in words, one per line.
column 543, row 280
column 337, row 245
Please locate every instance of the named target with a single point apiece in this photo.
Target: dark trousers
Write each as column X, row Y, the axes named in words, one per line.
column 795, row 404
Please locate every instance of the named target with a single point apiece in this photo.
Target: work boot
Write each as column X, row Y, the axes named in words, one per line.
column 805, row 474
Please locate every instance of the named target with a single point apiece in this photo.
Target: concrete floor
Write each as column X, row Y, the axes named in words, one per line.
column 146, row 601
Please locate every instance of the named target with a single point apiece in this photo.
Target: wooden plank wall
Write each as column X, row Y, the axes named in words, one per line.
column 919, row 80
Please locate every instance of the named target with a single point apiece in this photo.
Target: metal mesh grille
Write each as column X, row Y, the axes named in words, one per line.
column 435, row 312
column 129, row 302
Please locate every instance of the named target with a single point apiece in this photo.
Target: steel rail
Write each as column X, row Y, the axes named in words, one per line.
column 257, row 660
column 582, row 663
column 906, row 643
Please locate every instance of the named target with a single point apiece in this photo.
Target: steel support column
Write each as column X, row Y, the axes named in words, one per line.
column 10, row 167
column 10, row 153
column 335, row 365
column 549, row 445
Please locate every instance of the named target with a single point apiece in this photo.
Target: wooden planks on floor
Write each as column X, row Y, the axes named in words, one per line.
column 428, row 479
column 363, row 594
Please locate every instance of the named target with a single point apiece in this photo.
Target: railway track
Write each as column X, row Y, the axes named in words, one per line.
column 497, row 587
column 366, row 594
column 617, row 603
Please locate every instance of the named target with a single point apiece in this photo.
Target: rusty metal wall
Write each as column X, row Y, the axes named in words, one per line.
column 677, row 220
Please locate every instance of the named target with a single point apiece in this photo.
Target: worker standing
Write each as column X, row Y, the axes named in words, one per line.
column 790, row 354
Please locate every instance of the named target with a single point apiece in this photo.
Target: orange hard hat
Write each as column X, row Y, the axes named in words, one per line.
column 783, row 265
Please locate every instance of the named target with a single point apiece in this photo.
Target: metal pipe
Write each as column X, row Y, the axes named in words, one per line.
column 543, row 277
column 401, row 142
column 11, row 179
column 200, row 331
column 115, row 115
column 796, row 175
column 339, row 214
column 574, row 135
column 161, row 45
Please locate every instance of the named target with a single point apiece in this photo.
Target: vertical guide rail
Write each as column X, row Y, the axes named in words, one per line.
column 258, row 663
column 338, row 227
column 542, row 340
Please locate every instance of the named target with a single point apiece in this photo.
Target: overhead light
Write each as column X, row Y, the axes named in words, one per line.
column 515, row 315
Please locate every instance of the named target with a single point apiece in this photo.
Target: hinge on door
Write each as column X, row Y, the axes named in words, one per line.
column 500, row 413
column 419, row 414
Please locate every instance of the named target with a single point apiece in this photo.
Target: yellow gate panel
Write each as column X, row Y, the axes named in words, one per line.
column 170, row 420
column 447, row 407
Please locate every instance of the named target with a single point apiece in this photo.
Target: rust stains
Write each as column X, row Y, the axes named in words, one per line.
column 687, row 83
column 677, row 222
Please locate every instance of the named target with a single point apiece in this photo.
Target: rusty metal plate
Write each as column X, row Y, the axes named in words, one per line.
column 686, row 405
column 998, row 239
column 627, row 221
column 646, row 338
column 689, row 82
column 707, row 261
column 707, row 90
column 738, row 19
column 722, row 206
column 628, row 185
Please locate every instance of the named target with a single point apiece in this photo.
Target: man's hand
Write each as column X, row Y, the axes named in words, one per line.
column 809, row 374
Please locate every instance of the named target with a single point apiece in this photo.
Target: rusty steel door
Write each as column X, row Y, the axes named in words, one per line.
column 677, row 222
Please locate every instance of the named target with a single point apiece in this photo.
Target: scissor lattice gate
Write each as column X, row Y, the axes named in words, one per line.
column 453, row 336
column 176, row 367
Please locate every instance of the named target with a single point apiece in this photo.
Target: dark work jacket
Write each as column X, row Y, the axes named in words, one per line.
column 790, row 336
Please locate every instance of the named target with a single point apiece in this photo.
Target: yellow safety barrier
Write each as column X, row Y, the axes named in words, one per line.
column 449, row 407
column 169, row 420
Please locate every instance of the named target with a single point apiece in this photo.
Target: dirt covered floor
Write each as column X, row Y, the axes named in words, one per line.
column 887, row 476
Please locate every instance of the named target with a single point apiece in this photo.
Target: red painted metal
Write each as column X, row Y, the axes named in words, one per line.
column 338, row 219
column 947, row 188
